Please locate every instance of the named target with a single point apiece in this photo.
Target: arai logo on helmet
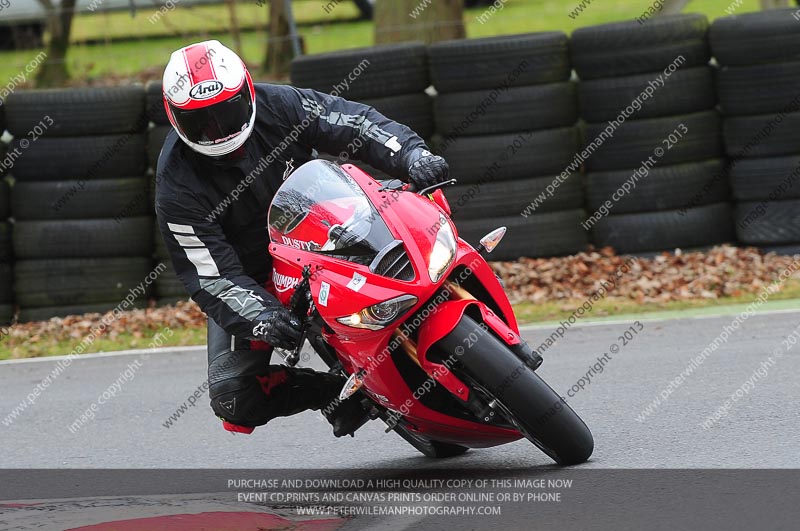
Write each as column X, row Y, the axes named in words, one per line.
column 205, row 90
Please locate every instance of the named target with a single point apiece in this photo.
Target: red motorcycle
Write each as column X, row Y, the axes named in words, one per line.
column 413, row 315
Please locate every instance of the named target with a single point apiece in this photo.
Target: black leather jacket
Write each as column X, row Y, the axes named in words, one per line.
column 213, row 215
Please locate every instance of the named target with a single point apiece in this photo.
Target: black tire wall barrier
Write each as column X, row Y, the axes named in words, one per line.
column 509, row 113
column 759, row 92
column 668, row 145
column 82, row 234
column 506, row 113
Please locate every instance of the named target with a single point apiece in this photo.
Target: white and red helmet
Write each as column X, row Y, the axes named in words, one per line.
column 209, row 98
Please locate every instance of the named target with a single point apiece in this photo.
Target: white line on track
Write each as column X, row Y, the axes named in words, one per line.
column 133, row 352
column 548, row 326
column 641, row 317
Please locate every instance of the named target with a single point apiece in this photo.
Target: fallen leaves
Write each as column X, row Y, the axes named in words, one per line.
column 723, row 271
column 139, row 323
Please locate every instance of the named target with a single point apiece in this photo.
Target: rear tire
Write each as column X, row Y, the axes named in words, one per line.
column 428, row 447
column 526, row 401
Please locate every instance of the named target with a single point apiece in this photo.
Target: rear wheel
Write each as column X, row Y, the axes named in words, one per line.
column 518, row 394
column 428, row 447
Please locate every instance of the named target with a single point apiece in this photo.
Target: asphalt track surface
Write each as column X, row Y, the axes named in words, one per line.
column 758, row 430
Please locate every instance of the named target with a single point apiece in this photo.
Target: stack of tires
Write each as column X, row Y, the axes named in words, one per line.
column 666, row 144
column 759, row 93
column 158, row 128
column 505, row 112
column 82, row 232
column 168, row 288
column 6, row 267
column 390, row 78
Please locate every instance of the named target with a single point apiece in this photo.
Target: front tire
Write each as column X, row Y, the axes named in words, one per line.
column 526, row 401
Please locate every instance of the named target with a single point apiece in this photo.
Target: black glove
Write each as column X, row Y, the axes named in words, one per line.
column 428, row 169
column 279, row 327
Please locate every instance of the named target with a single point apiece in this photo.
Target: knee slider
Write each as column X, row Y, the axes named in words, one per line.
column 242, row 388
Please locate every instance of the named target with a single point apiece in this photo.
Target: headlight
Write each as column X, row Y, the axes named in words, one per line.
column 444, row 251
column 379, row 315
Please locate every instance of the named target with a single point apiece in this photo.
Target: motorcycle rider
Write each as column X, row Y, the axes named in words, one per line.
column 233, row 142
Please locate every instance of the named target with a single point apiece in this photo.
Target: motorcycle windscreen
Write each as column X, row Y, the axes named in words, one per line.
column 320, row 208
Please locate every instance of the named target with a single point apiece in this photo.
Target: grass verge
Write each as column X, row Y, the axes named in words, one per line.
column 153, row 42
column 527, row 313
column 42, row 347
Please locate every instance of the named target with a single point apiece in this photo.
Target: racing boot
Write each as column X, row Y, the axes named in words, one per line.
column 345, row 415
column 322, row 390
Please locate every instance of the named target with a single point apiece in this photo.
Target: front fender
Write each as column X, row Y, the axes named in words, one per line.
column 443, row 321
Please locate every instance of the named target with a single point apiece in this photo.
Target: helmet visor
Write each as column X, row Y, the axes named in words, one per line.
column 218, row 122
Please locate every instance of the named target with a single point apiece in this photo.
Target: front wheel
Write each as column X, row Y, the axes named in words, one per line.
column 518, row 394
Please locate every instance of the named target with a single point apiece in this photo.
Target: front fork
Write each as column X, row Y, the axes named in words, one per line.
column 518, row 346
column 485, row 410
column 443, row 321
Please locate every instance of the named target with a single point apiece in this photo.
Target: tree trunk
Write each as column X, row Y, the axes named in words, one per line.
column 419, row 20
column 279, row 44
column 672, row 7
column 53, row 72
column 774, row 4
column 235, row 33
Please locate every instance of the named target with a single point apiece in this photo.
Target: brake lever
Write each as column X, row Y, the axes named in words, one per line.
column 433, row 187
column 411, row 187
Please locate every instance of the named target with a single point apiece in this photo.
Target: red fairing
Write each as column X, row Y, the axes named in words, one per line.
column 338, row 221
column 441, row 200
